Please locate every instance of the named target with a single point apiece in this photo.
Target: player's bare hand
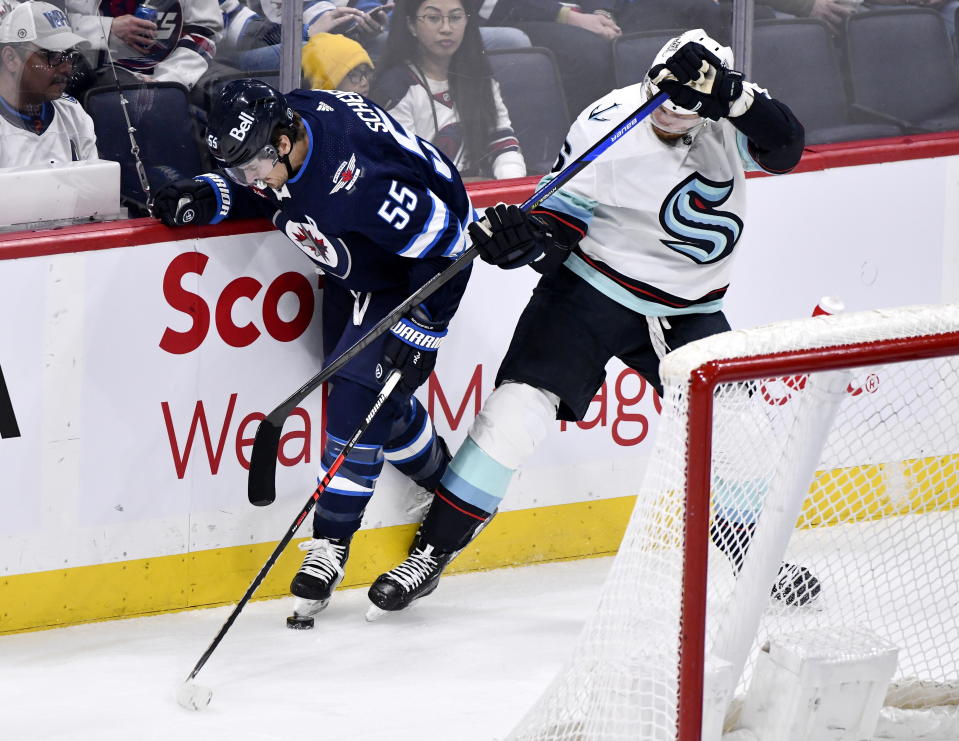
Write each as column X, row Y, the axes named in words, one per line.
column 596, row 23
column 832, row 12
column 337, row 20
column 137, row 33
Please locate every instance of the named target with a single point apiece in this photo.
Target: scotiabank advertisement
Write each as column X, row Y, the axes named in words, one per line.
column 134, row 377
column 187, row 346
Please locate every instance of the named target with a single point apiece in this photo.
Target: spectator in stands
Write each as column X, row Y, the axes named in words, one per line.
column 252, row 40
column 334, row 62
column 178, row 47
column 435, row 80
column 580, row 40
column 38, row 123
column 832, row 12
column 648, row 15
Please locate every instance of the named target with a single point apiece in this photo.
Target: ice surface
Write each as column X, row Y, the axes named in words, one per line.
column 462, row 665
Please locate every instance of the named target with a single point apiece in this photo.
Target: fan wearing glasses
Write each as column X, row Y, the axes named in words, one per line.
column 38, row 123
column 435, row 80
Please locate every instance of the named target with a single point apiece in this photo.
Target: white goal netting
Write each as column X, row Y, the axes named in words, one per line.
column 829, row 472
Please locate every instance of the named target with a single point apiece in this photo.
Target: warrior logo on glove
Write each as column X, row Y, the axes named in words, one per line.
column 410, row 347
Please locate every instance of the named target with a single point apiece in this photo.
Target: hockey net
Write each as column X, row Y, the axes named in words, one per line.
column 834, row 442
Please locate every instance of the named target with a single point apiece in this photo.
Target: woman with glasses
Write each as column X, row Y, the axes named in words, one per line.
column 435, row 80
column 38, row 123
column 335, row 62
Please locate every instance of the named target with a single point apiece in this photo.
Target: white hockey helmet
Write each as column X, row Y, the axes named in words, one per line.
column 698, row 36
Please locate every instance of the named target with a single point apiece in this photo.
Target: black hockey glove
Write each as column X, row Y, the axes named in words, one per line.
column 187, row 202
column 410, row 347
column 702, row 84
column 508, row 237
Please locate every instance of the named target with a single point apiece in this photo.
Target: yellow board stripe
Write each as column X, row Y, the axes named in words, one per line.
column 51, row 599
column 882, row 490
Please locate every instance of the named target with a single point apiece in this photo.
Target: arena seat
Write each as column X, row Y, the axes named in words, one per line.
column 797, row 61
column 533, row 94
column 165, row 132
column 902, row 69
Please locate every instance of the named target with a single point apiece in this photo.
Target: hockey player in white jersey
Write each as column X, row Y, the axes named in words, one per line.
column 38, row 123
column 636, row 253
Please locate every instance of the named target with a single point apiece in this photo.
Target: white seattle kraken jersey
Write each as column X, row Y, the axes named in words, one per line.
column 62, row 133
column 663, row 220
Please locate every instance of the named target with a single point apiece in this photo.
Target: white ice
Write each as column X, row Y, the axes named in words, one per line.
column 464, row 664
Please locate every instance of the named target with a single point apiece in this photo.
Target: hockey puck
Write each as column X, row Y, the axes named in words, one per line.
column 299, row 622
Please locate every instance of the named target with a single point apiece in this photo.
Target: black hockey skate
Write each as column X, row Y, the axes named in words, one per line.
column 795, row 585
column 416, row 577
column 320, row 573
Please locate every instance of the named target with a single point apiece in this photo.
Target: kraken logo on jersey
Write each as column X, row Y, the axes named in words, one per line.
column 331, row 254
column 703, row 233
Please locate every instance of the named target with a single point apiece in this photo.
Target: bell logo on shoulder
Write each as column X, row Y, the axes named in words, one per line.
column 245, row 123
column 346, row 175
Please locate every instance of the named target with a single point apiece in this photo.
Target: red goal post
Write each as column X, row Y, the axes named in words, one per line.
column 834, row 442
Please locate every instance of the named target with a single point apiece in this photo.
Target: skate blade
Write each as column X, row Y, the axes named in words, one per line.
column 308, row 607
column 374, row 613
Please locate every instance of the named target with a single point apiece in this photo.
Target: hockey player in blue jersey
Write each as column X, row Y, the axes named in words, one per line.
column 380, row 212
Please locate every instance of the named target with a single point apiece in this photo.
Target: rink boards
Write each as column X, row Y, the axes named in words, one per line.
column 137, row 362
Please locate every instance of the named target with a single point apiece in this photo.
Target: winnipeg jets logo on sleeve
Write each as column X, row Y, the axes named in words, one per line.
column 346, row 175
column 331, row 254
column 703, row 233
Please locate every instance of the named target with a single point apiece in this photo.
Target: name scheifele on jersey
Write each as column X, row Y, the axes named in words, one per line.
column 370, row 201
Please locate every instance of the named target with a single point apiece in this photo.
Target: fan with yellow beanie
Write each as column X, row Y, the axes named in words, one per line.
column 335, row 62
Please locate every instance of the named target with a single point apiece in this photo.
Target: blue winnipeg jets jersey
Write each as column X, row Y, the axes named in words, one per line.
column 372, row 206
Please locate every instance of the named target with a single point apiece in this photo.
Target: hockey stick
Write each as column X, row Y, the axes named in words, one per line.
column 261, row 483
column 193, row 696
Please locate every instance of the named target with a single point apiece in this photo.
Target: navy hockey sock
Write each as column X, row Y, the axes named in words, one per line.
column 340, row 507
column 415, row 449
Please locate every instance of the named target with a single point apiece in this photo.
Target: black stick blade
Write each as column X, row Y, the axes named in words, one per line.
column 261, row 483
